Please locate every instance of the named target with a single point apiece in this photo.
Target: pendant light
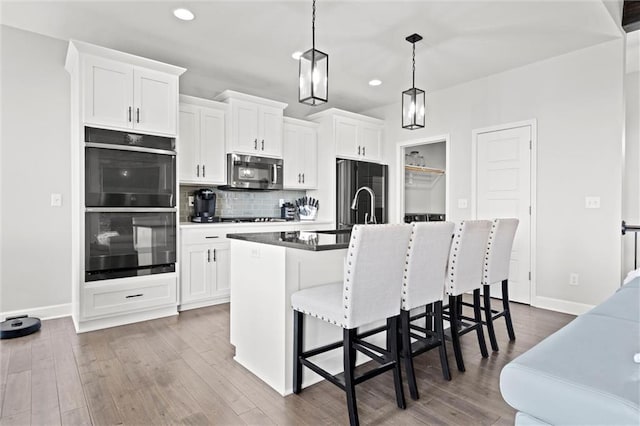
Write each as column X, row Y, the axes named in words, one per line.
column 413, row 107
column 313, row 86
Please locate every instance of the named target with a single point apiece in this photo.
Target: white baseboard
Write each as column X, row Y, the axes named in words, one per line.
column 559, row 305
column 42, row 312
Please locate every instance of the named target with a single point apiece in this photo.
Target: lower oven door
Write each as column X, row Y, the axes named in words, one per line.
column 129, row 243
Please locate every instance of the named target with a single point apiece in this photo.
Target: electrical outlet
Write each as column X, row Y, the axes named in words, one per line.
column 281, row 202
column 191, row 200
column 573, row 279
column 56, row 200
column 591, row 202
column 463, row 203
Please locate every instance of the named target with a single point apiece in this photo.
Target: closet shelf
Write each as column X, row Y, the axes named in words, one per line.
column 428, row 170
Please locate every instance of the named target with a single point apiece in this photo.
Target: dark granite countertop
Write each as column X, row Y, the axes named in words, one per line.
column 314, row 240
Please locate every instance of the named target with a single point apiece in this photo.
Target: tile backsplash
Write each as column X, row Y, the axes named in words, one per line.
column 239, row 203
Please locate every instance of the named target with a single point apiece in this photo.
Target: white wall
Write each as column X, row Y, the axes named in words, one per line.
column 578, row 104
column 631, row 183
column 36, row 242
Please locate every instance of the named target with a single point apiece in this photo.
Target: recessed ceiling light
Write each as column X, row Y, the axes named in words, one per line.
column 184, row 14
column 375, row 82
column 296, row 55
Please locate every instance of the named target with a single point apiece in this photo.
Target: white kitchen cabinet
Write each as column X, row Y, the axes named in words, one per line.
column 357, row 139
column 123, row 96
column 204, row 267
column 300, row 154
column 202, row 141
column 255, row 124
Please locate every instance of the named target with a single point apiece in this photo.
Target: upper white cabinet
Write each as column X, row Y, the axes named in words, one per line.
column 356, row 136
column 300, row 154
column 125, row 92
column 201, row 141
column 255, row 124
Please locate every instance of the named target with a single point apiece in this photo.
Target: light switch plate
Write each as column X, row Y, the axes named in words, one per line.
column 463, row 203
column 56, row 200
column 191, row 200
column 591, row 202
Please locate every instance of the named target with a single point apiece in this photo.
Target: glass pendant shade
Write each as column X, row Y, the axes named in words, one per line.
column 413, row 109
column 314, row 77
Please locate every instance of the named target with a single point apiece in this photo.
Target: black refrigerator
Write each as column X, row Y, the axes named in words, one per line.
column 351, row 175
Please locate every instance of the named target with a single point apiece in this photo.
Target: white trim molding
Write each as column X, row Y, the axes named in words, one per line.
column 559, row 305
column 42, row 312
column 400, row 146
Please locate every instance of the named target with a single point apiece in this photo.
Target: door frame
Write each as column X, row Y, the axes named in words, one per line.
column 400, row 146
column 533, row 123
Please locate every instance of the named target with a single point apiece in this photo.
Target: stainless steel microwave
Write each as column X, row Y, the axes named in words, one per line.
column 252, row 172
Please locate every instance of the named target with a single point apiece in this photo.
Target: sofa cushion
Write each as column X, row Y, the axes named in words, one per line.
column 582, row 374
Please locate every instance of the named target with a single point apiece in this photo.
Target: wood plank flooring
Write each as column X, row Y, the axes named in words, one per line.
column 180, row 370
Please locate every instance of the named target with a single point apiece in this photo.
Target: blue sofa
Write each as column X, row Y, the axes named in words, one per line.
column 585, row 373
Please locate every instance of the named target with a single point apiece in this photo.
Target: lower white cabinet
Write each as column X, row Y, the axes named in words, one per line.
column 204, row 268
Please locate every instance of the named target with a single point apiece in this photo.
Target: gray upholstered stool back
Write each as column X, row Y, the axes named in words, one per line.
column 498, row 252
column 426, row 263
column 373, row 273
column 467, row 256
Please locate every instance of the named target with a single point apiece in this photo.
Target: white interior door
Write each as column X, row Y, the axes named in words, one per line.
column 503, row 189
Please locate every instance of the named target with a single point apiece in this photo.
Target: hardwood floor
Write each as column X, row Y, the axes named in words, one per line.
column 179, row 370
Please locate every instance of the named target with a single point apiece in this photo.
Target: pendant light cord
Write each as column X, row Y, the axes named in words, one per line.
column 413, row 69
column 313, row 26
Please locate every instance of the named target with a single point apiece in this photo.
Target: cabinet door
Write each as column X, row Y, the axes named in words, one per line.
column 197, row 280
column 371, row 140
column 212, row 146
column 108, row 93
column 309, row 157
column 245, row 127
column 292, row 153
column 189, row 143
column 270, row 131
column 346, row 136
column 155, row 97
column 223, row 265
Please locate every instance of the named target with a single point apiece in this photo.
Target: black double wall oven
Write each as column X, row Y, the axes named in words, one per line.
column 130, row 200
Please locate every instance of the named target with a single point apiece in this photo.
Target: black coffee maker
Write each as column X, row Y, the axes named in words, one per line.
column 204, row 205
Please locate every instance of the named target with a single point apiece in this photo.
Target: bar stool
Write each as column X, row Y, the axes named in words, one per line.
column 423, row 284
column 496, row 269
column 465, row 274
column 369, row 292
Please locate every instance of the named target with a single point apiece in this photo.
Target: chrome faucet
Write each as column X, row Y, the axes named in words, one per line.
column 368, row 218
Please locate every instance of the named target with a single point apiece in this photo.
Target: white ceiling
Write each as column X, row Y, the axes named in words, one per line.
column 247, row 45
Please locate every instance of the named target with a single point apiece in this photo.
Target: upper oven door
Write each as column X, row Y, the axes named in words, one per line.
column 126, row 178
column 250, row 172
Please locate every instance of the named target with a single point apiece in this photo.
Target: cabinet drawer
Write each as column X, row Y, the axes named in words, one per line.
column 129, row 295
column 204, row 236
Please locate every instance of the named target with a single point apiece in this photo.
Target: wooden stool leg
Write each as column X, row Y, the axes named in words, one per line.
column 486, row 290
column 507, row 311
column 455, row 337
column 444, row 361
column 477, row 314
column 349, row 373
column 298, row 327
column 395, row 352
column 406, row 353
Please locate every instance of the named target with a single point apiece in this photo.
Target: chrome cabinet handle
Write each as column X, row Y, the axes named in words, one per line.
column 214, row 255
column 212, row 236
column 299, row 178
column 358, row 149
column 129, row 114
column 255, row 143
column 137, row 115
column 134, row 295
column 203, row 171
column 303, row 178
column 263, row 144
column 198, row 170
column 363, row 150
column 209, row 254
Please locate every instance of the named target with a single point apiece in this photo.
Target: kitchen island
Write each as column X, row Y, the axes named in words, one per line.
column 266, row 268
